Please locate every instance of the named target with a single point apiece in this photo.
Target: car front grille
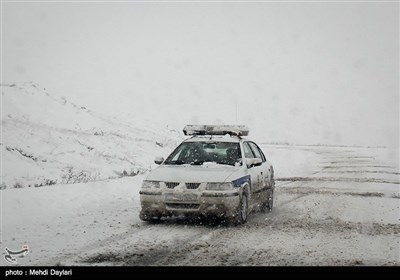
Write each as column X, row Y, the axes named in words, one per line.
column 192, row 186
column 187, row 206
column 171, row 185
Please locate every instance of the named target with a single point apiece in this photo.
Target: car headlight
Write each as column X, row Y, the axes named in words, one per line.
column 219, row 186
column 150, row 184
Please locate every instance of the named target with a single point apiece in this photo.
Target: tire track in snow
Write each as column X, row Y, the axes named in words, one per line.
column 144, row 251
column 338, row 179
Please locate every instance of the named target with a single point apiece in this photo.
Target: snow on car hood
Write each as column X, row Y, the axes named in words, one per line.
column 192, row 173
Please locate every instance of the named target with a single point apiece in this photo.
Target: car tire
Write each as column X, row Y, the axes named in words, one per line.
column 267, row 205
column 146, row 217
column 243, row 211
column 270, row 202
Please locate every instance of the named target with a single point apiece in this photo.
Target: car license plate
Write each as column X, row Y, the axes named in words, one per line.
column 181, row 197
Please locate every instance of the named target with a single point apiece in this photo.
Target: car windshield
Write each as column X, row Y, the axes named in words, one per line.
column 196, row 153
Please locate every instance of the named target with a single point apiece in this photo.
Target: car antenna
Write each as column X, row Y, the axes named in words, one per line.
column 237, row 112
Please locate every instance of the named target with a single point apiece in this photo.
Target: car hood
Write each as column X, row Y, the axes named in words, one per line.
column 192, row 173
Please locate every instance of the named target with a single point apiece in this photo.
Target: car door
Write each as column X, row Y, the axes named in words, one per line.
column 264, row 172
column 255, row 172
column 266, row 169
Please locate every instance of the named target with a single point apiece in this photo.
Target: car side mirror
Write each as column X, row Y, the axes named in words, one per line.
column 250, row 162
column 158, row 160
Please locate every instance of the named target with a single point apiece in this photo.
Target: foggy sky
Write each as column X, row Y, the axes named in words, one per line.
column 297, row 72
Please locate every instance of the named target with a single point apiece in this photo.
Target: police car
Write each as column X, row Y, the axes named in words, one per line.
column 216, row 172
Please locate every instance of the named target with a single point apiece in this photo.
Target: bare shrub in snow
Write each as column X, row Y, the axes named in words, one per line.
column 395, row 195
column 18, row 185
column 132, row 172
column 46, row 182
column 3, row 186
column 99, row 133
column 72, row 177
column 25, row 154
column 22, row 152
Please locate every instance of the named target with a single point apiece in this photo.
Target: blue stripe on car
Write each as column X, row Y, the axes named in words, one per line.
column 239, row 182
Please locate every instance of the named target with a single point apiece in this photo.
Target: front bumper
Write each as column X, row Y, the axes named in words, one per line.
column 210, row 203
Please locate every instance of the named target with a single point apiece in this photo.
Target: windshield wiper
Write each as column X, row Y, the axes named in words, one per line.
column 222, row 162
column 226, row 163
column 199, row 162
column 178, row 162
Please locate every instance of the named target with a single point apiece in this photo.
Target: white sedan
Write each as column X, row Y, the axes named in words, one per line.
column 216, row 172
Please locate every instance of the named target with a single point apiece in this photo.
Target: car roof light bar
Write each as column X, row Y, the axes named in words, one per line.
column 238, row 130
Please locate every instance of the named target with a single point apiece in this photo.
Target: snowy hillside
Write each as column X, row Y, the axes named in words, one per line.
column 48, row 140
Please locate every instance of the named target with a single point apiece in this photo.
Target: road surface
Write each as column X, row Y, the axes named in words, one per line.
column 338, row 206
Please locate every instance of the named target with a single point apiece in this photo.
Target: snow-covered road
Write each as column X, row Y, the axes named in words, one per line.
column 333, row 206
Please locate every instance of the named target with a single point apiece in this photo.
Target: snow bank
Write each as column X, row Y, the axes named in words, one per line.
column 60, row 220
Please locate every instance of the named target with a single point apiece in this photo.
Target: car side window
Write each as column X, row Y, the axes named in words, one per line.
column 177, row 155
column 257, row 151
column 247, row 150
column 264, row 159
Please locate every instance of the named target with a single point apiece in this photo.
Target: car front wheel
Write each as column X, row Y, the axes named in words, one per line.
column 147, row 217
column 242, row 213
